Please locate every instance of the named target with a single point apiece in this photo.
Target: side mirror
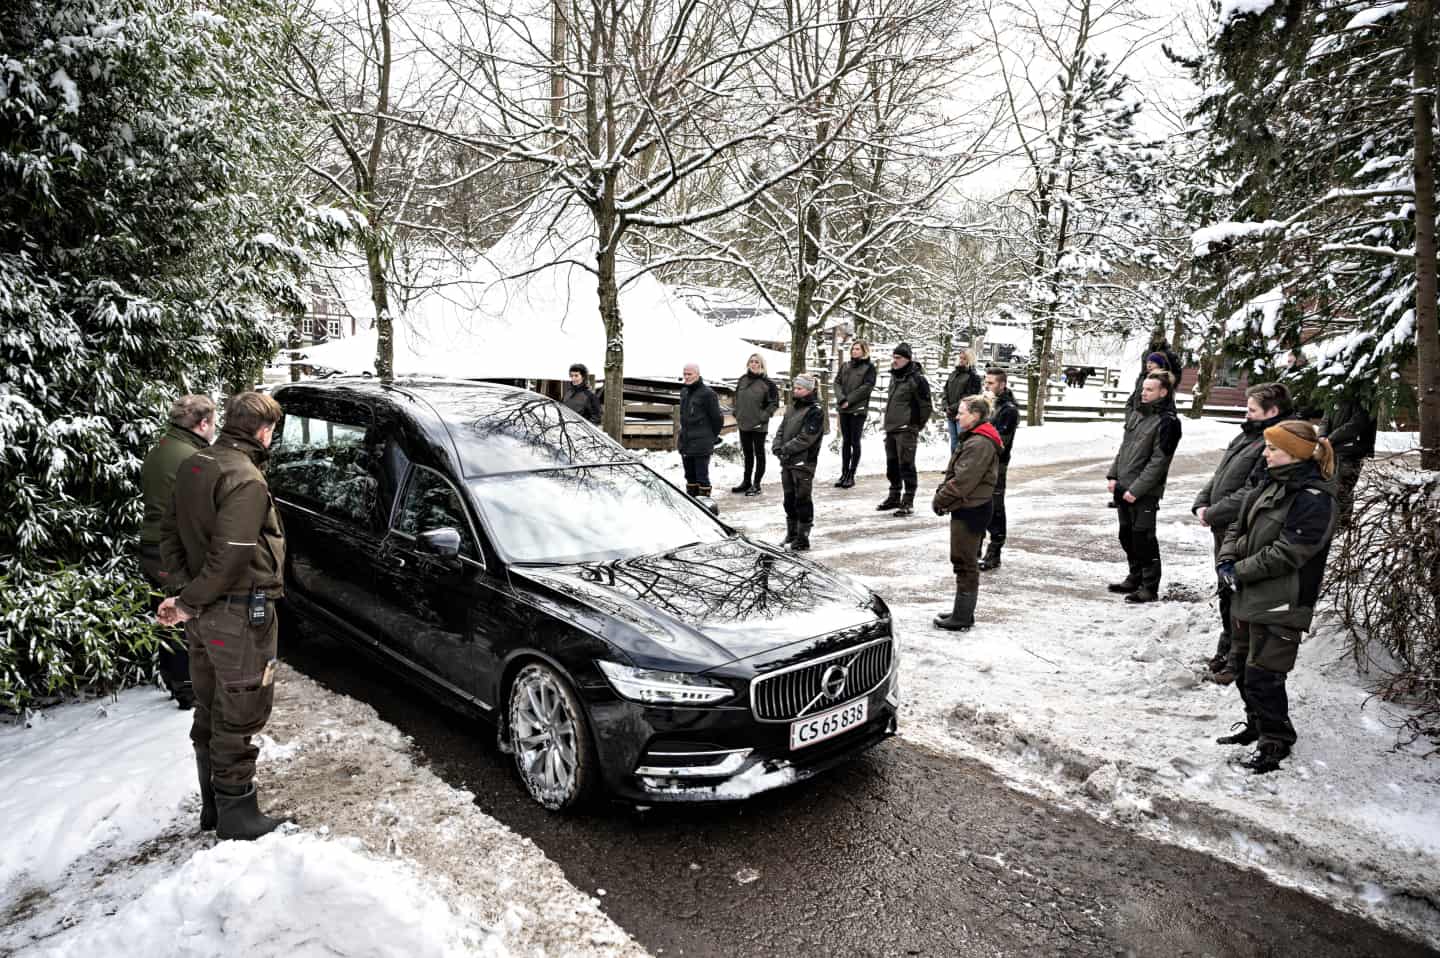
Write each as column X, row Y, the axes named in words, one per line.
column 443, row 543
column 710, row 504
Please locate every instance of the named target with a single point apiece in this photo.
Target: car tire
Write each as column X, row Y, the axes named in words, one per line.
column 550, row 739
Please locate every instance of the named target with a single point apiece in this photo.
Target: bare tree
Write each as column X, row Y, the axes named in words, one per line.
column 368, row 79
column 1071, row 115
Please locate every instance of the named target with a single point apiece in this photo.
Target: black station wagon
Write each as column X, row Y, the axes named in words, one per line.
column 505, row 553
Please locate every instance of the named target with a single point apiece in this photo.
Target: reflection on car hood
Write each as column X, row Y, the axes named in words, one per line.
column 707, row 605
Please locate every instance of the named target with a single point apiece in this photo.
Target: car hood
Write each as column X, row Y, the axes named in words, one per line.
column 708, row 605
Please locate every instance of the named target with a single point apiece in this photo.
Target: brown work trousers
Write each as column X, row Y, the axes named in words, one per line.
column 233, row 673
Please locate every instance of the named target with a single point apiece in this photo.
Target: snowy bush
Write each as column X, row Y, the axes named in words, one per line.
column 1384, row 578
column 146, row 241
column 85, row 628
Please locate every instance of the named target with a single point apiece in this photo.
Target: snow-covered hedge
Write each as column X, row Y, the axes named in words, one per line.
column 74, row 629
column 148, row 247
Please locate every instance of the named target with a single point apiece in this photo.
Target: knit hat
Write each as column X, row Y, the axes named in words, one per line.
column 805, row 382
column 902, row 349
column 1159, row 360
column 1294, row 436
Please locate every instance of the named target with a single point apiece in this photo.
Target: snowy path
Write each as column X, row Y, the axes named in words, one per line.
column 1068, row 691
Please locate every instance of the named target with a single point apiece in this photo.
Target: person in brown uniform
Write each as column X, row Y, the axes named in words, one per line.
column 967, row 494
column 224, row 552
column 192, row 428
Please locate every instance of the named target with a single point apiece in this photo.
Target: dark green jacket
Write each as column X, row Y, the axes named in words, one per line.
column 1279, row 544
column 1225, row 490
column 756, row 400
column 963, row 381
column 1152, row 433
column 908, row 407
column 157, row 477
column 798, row 439
column 853, row 384
column 221, row 534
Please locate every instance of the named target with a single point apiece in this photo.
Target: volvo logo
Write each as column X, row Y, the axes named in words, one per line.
column 832, row 683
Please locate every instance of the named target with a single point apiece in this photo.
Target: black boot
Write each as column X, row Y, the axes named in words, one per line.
column 1142, row 594
column 962, row 617
column 1246, row 734
column 1267, row 757
column 789, row 533
column 692, row 488
column 754, row 489
column 849, row 480
column 184, row 694
column 907, row 505
column 1129, row 584
column 801, row 541
column 239, row 814
column 208, row 814
column 992, row 557
column 840, row 483
column 891, row 501
column 744, row 487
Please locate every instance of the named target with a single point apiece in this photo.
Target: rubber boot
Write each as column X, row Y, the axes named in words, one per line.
column 240, row 817
column 744, row 487
column 801, row 542
column 962, row 617
column 208, row 815
column 907, row 505
column 704, row 491
column 992, row 557
column 789, row 533
column 891, row 501
column 692, row 488
column 840, row 483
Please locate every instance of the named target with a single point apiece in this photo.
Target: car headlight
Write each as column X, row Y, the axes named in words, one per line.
column 663, row 688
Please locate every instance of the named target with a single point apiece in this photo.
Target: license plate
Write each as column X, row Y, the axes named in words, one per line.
column 817, row 728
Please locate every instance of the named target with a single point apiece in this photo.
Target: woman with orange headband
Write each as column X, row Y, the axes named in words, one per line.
column 1273, row 559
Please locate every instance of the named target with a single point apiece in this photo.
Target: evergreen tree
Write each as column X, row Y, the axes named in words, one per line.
column 1314, row 112
column 147, row 237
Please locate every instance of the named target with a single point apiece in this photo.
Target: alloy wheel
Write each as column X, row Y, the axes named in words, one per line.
column 546, row 735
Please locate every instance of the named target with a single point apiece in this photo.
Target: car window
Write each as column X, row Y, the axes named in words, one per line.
column 497, row 432
column 591, row 513
column 326, row 463
column 432, row 503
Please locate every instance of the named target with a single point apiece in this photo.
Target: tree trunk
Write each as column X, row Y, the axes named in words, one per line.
column 612, row 419
column 1427, row 334
column 1039, row 375
column 1210, row 358
column 380, row 299
column 805, row 295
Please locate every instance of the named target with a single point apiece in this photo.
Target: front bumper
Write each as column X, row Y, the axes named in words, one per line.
column 643, row 749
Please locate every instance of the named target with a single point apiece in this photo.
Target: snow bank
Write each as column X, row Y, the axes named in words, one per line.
column 82, row 777
column 288, row 895
column 102, row 855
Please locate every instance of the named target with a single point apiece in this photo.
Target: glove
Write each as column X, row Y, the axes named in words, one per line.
column 1226, row 572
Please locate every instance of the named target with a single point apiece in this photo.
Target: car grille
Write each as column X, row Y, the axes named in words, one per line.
column 796, row 691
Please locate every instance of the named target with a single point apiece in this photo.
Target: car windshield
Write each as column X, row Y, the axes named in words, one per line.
column 589, row 514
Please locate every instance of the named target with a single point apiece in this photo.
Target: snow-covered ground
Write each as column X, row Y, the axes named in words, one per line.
column 100, row 853
column 1062, row 688
column 1071, row 692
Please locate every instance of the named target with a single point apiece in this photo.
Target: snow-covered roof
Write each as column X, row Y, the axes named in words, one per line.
column 530, row 307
